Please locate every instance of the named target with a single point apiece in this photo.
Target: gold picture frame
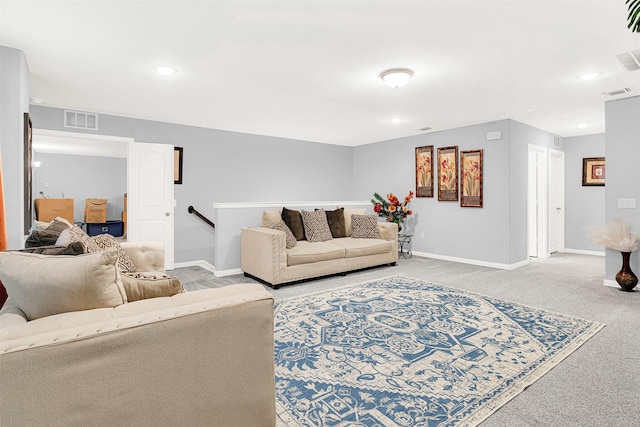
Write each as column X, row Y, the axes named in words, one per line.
column 471, row 178
column 424, row 171
column 448, row 174
column 593, row 171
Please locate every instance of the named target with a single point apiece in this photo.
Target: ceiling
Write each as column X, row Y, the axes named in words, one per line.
column 309, row 70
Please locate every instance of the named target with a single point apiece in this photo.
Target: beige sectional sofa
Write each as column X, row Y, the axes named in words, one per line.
column 196, row 358
column 265, row 257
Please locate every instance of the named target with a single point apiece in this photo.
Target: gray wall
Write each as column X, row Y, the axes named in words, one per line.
column 623, row 175
column 221, row 166
column 14, row 102
column 584, row 206
column 495, row 233
column 81, row 178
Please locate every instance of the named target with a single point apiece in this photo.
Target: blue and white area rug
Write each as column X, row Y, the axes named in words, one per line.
column 404, row 352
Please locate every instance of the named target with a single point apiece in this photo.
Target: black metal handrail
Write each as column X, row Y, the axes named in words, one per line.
column 192, row 210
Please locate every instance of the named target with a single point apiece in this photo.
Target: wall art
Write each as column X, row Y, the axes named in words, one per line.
column 593, row 171
column 448, row 174
column 424, row 171
column 177, row 165
column 471, row 178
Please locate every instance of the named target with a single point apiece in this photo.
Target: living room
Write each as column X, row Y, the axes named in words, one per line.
column 221, row 165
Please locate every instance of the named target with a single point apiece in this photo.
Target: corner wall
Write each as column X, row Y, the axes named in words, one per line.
column 622, row 150
column 14, row 102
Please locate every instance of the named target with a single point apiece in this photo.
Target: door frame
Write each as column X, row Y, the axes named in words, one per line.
column 559, row 192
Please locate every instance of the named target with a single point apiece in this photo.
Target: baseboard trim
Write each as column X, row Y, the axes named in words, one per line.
column 200, row 263
column 230, row 272
column 473, row 261
column 581, row 252
column 611, row 283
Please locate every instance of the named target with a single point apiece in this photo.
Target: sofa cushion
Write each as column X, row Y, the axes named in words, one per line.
column 316, row 227
column 140, row 286
column 348, row 212
column 306, row 252
column 43, row 285
column 289, row 239
column 336, row 223
column 293, row 219
column 362, row 247
column 365, row 226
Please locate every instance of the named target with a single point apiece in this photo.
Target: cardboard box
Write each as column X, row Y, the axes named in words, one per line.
column 95, row 211
column 48, row 209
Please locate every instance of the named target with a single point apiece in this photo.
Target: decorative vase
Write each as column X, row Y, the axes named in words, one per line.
column 625, row 277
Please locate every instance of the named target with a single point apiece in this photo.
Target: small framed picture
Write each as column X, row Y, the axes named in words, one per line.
column 177, row 165
column 448, row 174
column 471, row 178
column 593, row 171
column 424, row 171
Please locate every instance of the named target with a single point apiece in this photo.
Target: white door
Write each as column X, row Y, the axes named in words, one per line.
column 150, row 196
column 556, row 200
column 532, row 205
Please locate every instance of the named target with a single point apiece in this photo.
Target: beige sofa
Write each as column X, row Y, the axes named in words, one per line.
column 264, row 255
column 198, row 358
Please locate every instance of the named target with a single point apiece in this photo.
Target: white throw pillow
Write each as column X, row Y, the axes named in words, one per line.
column 44, row 285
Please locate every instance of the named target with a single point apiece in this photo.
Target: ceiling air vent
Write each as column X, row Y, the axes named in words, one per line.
column 617, row 92
column 629, row 61
column 80, row 120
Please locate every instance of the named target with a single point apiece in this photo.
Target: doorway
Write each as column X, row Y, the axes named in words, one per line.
column 545, row 201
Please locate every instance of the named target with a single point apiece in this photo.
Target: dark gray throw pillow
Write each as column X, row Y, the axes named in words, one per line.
column 336, row 223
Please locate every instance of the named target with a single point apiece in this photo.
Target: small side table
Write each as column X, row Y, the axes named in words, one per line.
column 405, row 239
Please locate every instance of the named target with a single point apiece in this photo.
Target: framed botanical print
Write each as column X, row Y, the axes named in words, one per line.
column 471, row 178
column 448, row 174
column 424, row 171
column 593, row 171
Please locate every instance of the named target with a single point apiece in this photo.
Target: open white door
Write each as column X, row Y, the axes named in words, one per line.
column 150, row 196
column 556, row 201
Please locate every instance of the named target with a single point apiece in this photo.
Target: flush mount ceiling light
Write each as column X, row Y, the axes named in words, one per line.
column 396, row 77
column 165, row 70
column 588, row 76
column 583, row 126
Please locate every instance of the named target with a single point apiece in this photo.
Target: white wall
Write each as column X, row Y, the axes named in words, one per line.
column 584, row 206
column 14, row 102
column 622, row 150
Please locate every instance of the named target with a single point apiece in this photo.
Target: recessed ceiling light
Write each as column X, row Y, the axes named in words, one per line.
column 396, row 77
column 396, row 120
column 165, row 70
column 589, row 76
column 582, row 125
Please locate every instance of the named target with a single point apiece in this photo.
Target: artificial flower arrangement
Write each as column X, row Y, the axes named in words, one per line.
column 391, row 208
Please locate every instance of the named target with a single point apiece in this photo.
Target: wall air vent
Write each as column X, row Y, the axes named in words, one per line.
column 80, row 120
column 617, row 92
column 630, row 60
column 426, row 128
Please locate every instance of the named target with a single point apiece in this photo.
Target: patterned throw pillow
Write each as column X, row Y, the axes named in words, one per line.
column 104, row 241
column 290, row 239
column 365, row 226
column 76, row 234
column 140, row 286
column 316, row 227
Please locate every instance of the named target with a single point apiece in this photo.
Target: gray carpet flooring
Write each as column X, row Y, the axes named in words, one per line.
column 598, row 385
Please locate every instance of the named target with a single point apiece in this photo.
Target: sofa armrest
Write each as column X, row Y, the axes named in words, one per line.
column 263, row 253
column 389, row 231
column 146, row 256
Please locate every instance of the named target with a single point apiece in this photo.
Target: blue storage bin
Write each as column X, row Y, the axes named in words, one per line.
column 115, row 228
